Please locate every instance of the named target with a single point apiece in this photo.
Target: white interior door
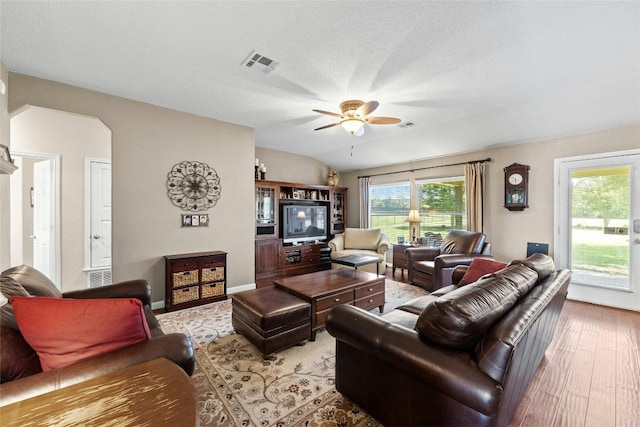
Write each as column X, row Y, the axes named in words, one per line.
column 598, row 224
column 43, row 218
column 99, row 213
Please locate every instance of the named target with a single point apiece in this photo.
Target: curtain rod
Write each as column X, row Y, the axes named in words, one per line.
column 488, row 159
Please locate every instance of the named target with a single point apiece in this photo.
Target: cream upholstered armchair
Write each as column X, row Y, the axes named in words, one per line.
column 360, row 241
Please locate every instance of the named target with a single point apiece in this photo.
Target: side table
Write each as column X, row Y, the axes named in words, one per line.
column 155, row 393
column 399, row 258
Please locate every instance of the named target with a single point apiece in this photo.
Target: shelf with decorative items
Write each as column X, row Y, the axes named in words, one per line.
column 194, row 279
column 274, row 257
column 6, row 162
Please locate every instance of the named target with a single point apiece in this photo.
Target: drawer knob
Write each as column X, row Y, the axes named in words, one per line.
column 337, row 299
column 370, row 300
column 370, row 289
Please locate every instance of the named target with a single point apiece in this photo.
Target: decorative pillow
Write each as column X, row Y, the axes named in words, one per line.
column 459, row 318
column 357, row 238
column 478, row 268
column 64, row 331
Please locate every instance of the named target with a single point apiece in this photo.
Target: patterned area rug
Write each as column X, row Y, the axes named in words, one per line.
column 236, row 387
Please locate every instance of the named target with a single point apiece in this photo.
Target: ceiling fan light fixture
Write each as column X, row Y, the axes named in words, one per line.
column 352, row 125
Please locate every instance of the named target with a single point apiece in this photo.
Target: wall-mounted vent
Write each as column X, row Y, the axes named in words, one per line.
column 99, row 278
column 260, row 63
column 406, row 125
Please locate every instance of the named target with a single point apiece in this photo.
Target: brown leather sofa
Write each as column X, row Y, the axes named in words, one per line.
column 431, row 267
column 461, row 356
column 21, row 374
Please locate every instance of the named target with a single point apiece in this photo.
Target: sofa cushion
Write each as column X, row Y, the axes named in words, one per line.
column 478, row 268
column 542, row 264
column 64, row 330
column 33, row 281
column 358, row 238
column 460, row 318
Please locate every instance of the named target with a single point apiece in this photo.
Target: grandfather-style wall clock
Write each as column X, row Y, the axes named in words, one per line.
column 516, row 187
column 193, row 186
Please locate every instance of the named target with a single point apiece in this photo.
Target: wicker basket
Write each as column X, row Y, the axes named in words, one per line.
column 212, row 289
column 212, row 274
column 184, row 278
column 185, row 295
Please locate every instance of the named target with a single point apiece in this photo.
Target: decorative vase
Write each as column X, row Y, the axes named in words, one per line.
column 330, row 181
column 336, row 179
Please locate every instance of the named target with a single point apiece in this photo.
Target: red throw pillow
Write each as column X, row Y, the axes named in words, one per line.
column 64, row 331
column 478, row 268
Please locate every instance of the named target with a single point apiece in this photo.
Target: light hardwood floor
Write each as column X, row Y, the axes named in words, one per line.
column 590, row 375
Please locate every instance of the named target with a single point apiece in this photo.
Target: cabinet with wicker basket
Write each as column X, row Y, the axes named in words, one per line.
column 195, row 278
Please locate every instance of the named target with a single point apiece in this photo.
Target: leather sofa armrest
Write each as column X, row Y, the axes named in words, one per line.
column 449, row 371
column 458, row 273
column 337, row 243
column 175, row 347
column 383, row 244
column 453, row 260
column 139, row 289
column 421, row 254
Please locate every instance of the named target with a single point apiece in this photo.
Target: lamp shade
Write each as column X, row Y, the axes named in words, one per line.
column 301, row 215
column 352, row 125
column 414, row 216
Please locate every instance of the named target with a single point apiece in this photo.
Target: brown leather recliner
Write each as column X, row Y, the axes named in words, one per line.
column 431, row 268
column 21, row 374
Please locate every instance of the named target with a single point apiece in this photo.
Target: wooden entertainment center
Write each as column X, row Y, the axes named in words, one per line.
column 277, row 258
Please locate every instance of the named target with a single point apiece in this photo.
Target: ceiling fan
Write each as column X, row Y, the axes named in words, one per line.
column 354, row 116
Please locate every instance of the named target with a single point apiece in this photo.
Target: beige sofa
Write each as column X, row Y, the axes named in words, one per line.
column 359, row 241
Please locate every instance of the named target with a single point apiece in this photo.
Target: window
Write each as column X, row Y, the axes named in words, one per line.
column 390, row 208
column 442, row 205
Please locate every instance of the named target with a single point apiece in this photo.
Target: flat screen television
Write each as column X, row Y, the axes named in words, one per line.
column 303, row 223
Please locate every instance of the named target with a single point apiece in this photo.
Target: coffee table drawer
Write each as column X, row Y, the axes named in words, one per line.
column 364, row 291
column 370, row 301
column 328, row 302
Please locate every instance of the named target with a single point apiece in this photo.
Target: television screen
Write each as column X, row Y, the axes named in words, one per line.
column 303, row 223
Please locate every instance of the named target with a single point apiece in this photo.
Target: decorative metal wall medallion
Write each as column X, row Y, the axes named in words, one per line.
column 193, row 186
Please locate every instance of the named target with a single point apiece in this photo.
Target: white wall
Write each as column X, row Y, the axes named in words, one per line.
column 5, row 225
column 509, row 231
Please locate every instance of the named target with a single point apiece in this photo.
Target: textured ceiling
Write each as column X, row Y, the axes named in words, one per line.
column 469, row 75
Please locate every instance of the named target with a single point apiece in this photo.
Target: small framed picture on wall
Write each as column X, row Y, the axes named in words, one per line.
column 195, row 220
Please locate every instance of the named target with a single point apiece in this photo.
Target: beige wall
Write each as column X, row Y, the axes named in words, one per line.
column 147, row 142
column 509, row 231
column 282, row 166
column 74, row 138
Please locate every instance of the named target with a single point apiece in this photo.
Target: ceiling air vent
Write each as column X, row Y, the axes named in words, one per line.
column 406, row 125
column 260, row 63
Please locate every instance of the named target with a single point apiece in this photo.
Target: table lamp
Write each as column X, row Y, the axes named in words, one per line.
column 414, row 219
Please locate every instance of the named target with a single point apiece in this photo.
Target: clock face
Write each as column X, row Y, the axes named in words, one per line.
column 515, row 179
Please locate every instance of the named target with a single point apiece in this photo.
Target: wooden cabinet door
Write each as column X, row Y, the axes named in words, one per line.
column 267, row 255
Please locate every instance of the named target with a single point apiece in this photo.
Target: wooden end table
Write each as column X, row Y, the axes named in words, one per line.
column 155, row 393
column 328, row 288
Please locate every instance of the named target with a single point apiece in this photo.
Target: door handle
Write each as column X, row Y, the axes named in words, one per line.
column 96, row 236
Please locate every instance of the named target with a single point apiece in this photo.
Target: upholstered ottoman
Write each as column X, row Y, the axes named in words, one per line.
column 271, row 319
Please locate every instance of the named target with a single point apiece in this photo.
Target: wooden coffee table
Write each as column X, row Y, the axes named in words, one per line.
column 328, row 288
column 155, row 393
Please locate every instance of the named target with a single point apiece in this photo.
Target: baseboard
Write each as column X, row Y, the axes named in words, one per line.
column 159, row 305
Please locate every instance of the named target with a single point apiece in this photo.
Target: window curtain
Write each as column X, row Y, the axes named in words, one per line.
column 474, row 187
column 364, row 184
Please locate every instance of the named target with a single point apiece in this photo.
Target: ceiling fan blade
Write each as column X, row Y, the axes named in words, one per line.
column 328, row 113
column 328, row 126
column 383, row 120
column 367, row 108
